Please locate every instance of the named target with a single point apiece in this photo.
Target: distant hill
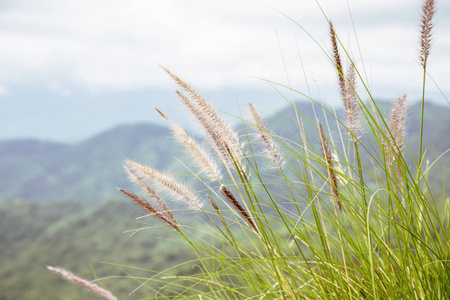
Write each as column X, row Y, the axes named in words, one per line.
column 436, row 123
column 89, row 171
column 435, row 138
column 32, row 170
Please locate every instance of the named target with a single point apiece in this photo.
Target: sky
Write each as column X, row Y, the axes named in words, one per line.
column 71, row 69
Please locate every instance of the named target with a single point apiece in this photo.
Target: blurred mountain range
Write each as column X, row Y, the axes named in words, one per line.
column 90, row 171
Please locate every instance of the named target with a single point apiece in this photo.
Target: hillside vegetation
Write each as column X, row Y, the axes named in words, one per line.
column 82, row 238
column 92, row 170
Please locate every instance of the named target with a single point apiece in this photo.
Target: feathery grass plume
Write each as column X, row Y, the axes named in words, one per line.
column 213, row 137
column 230, row 197
column 149, row 208
column 271, row 149
column 150, row 192
column 337, row 62
column 93, row 287
column 217, row 122
column 209, row 119
column 428, row 9
column 199, row 155
column 397, row 125
column 330, row 167
column 351, row 105
column 221, row 144
column 347, row 90
column 180, row 191
column 162, row 114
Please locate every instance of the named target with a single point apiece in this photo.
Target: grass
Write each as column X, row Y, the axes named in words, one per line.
column 305, row 218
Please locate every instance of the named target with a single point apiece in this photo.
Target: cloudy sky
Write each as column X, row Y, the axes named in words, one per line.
column 69, row 69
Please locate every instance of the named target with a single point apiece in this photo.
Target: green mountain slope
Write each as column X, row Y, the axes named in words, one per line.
column 90, row 171
column 436, row 123
column 435, row 140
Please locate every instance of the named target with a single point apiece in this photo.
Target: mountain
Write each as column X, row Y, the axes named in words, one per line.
column 436, row 123
column 91, row 171
column 435, row 137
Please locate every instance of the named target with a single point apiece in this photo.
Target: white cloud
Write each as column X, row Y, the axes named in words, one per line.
column 119, row 44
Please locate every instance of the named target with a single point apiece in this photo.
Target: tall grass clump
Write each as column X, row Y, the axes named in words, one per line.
column 304, row 216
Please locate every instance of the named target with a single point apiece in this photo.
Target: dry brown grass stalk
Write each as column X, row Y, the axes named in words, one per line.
column 150, row 209
column 216, row 208
column 428, row 9
column 150, row 192
column 93, row 287
column 200, row 156
column 178, row 190
column 162, row 114
column 330, row 167
column 230, row 197
column 271, row 149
